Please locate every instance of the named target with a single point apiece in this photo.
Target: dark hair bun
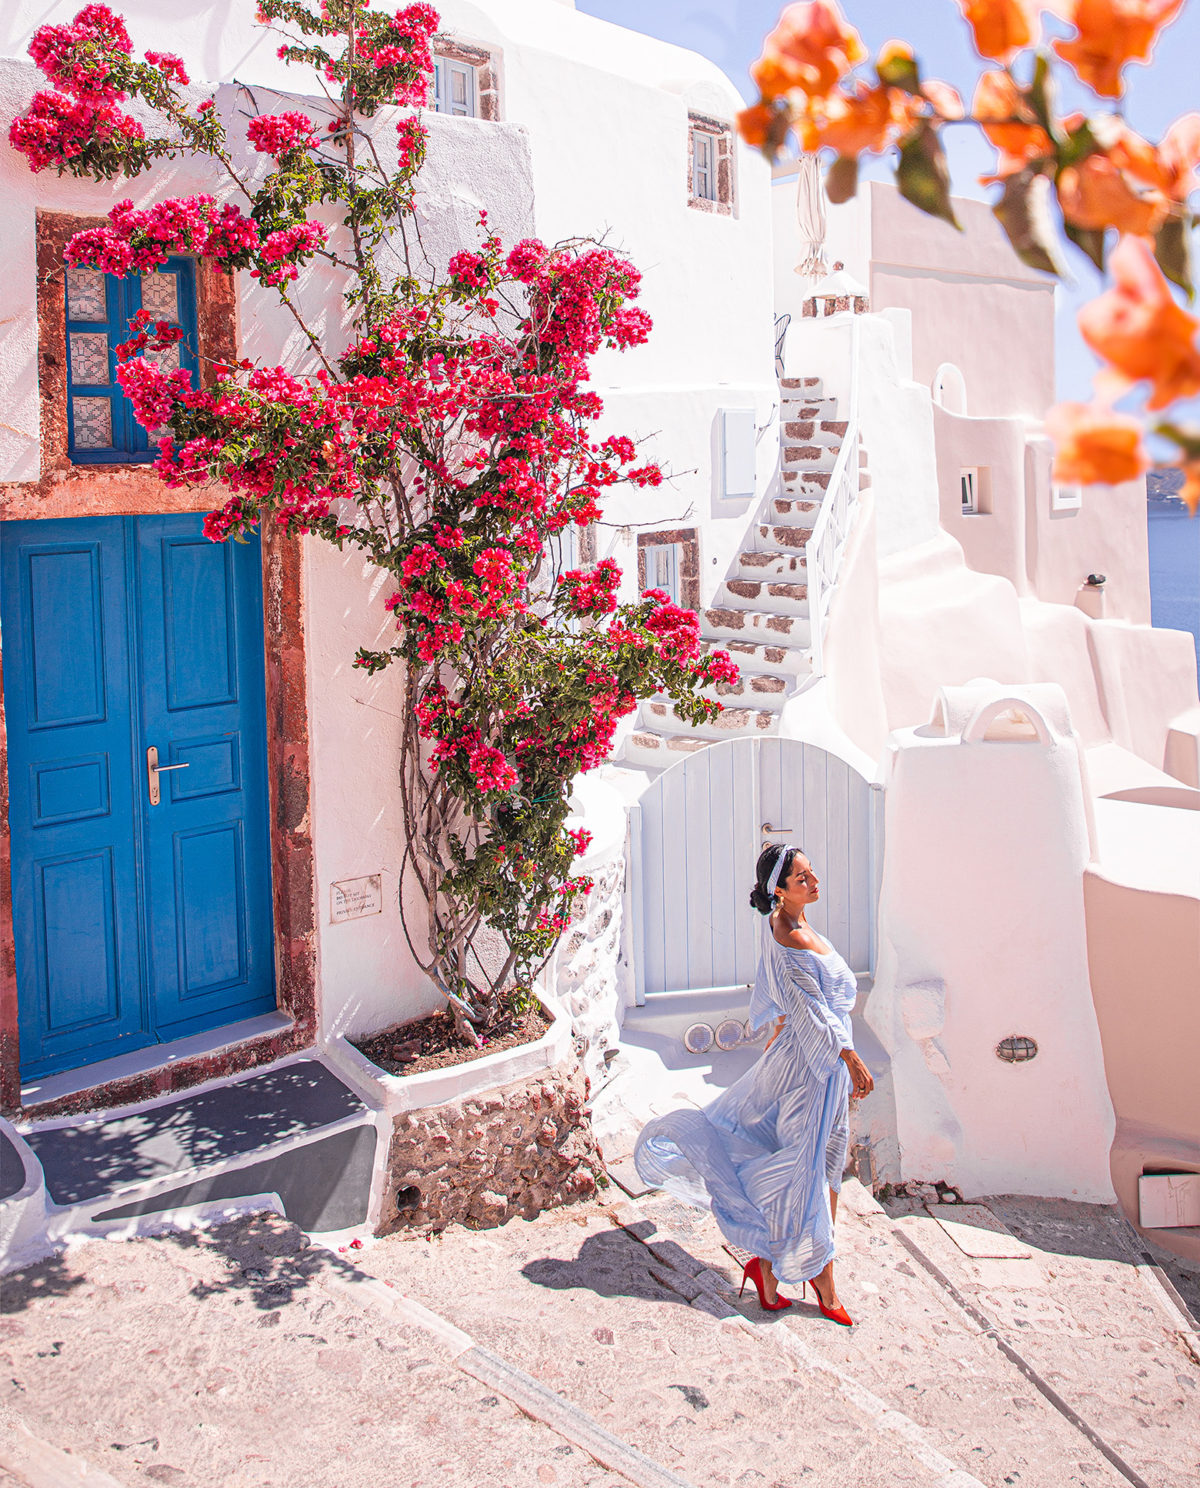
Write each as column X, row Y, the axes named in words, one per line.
column 760, row 901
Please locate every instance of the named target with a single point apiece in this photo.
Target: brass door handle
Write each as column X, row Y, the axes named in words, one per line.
column 154, row 770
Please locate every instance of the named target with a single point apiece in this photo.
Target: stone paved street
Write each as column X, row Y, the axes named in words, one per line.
column 235, row 1358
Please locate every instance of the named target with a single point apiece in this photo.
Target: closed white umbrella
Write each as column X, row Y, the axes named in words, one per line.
column 810, row 214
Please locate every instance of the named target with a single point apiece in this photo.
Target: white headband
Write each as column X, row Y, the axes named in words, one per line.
column 773, row 881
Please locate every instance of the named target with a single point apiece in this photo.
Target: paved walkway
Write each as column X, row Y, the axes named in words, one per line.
column 246, row 1357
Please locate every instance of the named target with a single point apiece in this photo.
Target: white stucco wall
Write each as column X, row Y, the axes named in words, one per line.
column 983, row 936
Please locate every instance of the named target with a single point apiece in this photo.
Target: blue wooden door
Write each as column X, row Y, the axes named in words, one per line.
column 135, row 922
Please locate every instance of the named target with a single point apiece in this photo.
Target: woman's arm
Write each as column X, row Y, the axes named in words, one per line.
column 864, row 1082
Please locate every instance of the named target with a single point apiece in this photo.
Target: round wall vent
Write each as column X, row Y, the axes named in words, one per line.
column 1016, row 1050
column 730, row 1033
column 698, row 1039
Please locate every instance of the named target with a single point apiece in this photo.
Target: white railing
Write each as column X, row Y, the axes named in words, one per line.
column 823, row 550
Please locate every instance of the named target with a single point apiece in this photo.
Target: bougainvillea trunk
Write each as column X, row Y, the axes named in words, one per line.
column 451, row 443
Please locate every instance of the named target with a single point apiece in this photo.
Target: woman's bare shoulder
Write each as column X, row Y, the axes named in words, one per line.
column 789, row 937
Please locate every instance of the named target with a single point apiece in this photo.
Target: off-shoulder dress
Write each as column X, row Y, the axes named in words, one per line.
column 765, row 1153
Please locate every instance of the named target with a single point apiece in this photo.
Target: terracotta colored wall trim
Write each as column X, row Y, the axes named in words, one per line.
column 66, row 490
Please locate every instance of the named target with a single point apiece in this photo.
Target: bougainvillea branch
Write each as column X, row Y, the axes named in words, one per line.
column 451, row 443
column 1107, row 180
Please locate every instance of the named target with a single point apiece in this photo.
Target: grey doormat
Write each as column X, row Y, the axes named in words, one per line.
column 88, row 1161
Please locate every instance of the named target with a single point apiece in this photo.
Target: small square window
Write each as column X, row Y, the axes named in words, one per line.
column 972, row 485
column 454, row 90
column 100, row 422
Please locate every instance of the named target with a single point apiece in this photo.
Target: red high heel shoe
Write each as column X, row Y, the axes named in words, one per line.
column 752, row 1271
column 834, row 1314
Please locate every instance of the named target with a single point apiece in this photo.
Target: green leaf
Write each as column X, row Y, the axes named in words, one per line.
column 900, row 72
column 841, row 179
column 923, row 175
column 1023, row 211
column 1077, row 146
column 1186, row 436
column 1172, row 249
column 1089, row 240
column 1042, row 97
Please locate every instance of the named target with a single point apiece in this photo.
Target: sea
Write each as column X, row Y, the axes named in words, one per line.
column 1174, row 567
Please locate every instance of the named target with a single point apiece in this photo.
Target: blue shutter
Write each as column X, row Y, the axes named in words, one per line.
column 101, row 428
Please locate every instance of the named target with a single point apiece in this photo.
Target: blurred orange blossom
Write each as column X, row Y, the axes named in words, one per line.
column 1094, row 445
column 1110, row 34
column 1140, row 331
column 811, row 48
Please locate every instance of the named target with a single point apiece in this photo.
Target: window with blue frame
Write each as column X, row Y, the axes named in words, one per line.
column 101, row 428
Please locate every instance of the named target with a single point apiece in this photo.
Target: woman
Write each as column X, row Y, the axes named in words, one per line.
column 768, row 1154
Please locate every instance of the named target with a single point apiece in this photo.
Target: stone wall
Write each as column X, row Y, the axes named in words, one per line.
column 514, row 1150
column 585, row 976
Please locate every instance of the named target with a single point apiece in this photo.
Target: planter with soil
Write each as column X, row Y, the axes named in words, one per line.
column 476, row 1136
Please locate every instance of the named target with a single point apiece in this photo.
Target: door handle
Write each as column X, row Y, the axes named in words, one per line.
column 767, row 827
column 154, row 770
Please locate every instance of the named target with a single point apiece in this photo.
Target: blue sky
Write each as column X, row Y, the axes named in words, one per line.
column 730, row 33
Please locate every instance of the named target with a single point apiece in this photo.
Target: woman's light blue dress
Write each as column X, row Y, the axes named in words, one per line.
column 766, row 1152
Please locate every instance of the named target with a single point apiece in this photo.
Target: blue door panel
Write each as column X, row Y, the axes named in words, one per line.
column 200, row 621
column 211, row 910
column 208, row 843
column 74, row 905
column 135, row 923
column 62, row 587
column 69, row 701
column 68, row 790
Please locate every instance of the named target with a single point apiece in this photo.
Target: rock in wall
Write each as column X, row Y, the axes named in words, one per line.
column 515, row 1150
column 585, row 976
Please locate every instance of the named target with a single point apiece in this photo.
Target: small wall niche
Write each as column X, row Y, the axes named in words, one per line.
column 975, row 490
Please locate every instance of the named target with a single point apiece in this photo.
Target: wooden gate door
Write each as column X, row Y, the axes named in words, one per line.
column 703, row 824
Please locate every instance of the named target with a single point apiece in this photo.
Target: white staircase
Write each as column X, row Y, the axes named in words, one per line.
column 763, row 612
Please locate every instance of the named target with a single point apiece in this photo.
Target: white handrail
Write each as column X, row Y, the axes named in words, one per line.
column 823, row 550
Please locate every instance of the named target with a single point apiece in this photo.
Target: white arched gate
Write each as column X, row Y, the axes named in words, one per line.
column 697, row 836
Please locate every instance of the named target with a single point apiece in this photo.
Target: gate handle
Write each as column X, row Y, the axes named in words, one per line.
column 154, row 770
column 767, row 827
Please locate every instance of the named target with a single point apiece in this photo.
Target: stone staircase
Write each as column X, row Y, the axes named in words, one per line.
column 760, row 614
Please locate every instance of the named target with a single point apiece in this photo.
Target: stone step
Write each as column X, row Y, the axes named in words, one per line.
column 735, row 722
column 803, row 459
column 754, row 625
column 773, row 537
column 798, row 406
column 824, row 431
column 754, row 658
column 763, row 690
column 808, row 485
column 792, row 511
column 647, row 747
column 777, row 597
column 809, row 387
column 754, row 565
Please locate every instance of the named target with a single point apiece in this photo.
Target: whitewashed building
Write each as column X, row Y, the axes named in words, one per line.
column 992, row 760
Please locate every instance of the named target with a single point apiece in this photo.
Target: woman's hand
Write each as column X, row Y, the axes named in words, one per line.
column 859, row 1073
column 778, row 1026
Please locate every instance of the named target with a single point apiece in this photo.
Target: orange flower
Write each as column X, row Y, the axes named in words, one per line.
column 754, row 124
column 1112, row 33
column 1191, row 485
column 1001, row 27
column 1139, row 329
column 1179, row 155
column 1008, row 121
column 947, row 101
column 1093, row 446
column 850, row 123
column 811, row 48
column 1095, row 194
